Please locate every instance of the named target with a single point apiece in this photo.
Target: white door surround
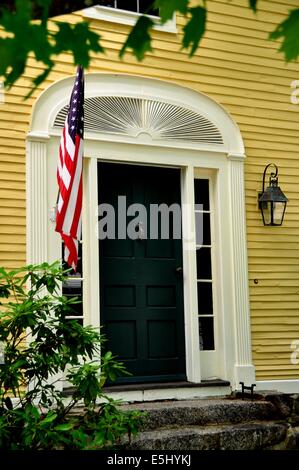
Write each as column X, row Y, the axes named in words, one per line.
column 208, row 139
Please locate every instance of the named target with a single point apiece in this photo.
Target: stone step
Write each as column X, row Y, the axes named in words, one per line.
column 248, row 436
column 204, row 412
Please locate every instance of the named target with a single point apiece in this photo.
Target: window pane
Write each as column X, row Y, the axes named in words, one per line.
column 203, row 260
column 204, row 298
column 203, row 229
column 145, row 6
column 206, row 229
column 206, row 334
column 106, row 3
column 72, row 287
column 201, row 190
column 127, row 5
column 77, row 307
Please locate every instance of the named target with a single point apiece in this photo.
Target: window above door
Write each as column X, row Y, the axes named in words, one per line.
column 124, row 12
column 138, row 6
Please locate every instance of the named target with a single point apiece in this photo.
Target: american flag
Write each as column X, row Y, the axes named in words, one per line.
column 69, row 174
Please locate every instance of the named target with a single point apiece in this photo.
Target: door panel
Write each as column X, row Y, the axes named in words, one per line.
column 141, row 291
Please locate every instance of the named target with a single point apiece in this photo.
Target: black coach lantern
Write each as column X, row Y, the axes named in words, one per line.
column 272, row 201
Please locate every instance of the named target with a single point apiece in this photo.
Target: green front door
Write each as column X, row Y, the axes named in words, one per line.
column 141, row 277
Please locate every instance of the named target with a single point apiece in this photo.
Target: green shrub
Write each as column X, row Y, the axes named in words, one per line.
column 39, row 344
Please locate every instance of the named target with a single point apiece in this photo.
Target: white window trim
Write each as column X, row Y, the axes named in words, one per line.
column 228, row 161
column 116, row 15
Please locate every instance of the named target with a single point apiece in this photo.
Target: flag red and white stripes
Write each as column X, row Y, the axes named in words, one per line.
column 69, row 174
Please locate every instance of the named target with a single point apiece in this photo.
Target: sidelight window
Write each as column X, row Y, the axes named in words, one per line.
column 204, row 249
column 72, row 287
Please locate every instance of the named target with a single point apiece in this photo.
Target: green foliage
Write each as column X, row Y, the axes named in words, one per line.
column 66, row 39
column 40, row 417
column 253, row 5
column 167, row 9
column 25, row 38
column 139, row 39
column 288, row 30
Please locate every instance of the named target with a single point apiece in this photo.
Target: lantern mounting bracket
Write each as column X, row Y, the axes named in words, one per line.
column 273, row 180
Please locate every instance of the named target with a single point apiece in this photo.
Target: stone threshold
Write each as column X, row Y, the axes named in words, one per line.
column 183, row 390
column 165, row 385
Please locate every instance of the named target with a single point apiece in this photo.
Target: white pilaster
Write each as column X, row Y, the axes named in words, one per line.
column 244, row 369
column 36, row 195
column 37, row 207
column 91, row 269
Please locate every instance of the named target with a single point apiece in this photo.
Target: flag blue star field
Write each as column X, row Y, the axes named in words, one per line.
column 69, row 174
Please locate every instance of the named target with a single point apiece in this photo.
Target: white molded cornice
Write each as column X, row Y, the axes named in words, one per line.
column 236, row 157
column 38, row 136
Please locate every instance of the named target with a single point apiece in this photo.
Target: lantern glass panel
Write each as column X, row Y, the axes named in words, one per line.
column 266, row 209
column 278, row 210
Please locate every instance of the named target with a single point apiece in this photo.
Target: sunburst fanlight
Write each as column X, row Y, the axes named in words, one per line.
column 133, row 116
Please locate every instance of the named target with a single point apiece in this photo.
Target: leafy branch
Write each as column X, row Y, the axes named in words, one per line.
column 42, row 418
column 26, row 33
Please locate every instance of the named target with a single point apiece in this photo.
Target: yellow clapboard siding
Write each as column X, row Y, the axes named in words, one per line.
column 11, row 228
column 6, row 247
column 12, row 194
column 11, row 221
column 13, row 167
column 238, row 67
column 270, row 271
column 275, row 245
column 12, row 203
column 273, row 357
column 12, row 157
column 9, row 184
column 279, row 237
column 12, row 211
column 272, row 308
column 14, row 264
column 280, row 375
column 284, row 330
column 12, row 255
column 276, row 5
column 7, row 176
column 16, row 239
column 274, row 283
column 268, row 290
column 281, row 342
column 283, row 139
column 270, row 367
column 273, row 336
